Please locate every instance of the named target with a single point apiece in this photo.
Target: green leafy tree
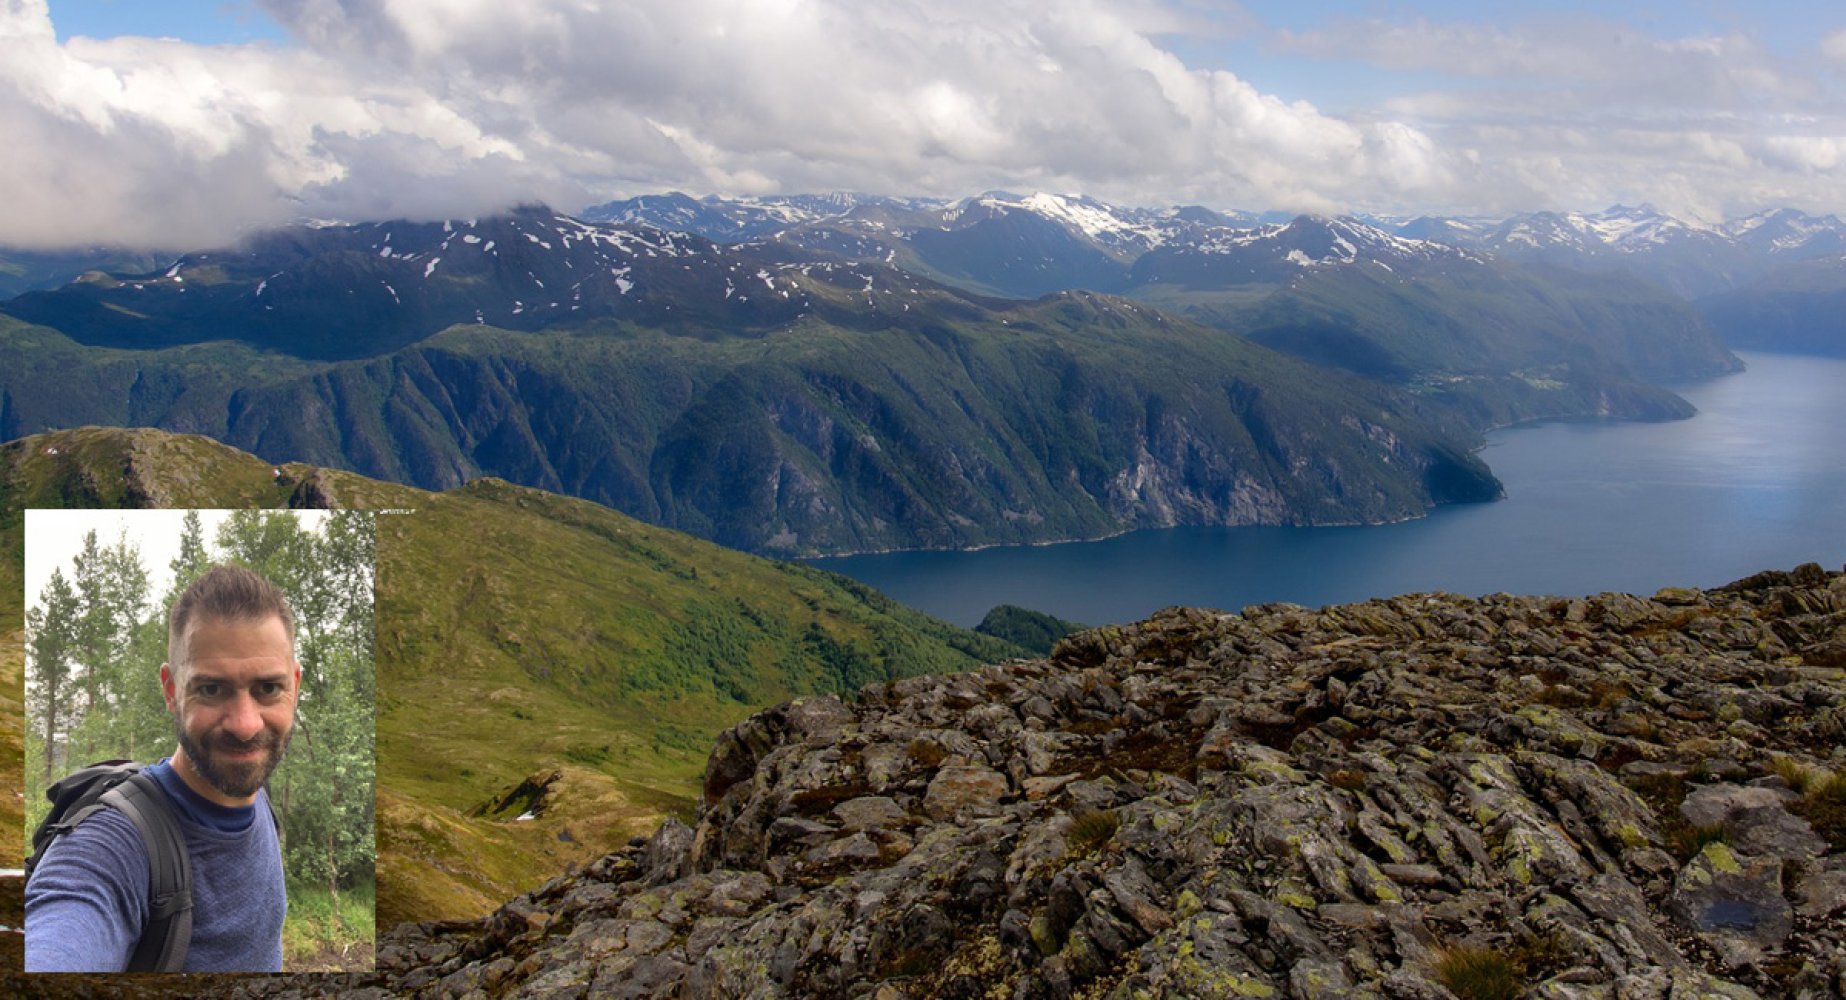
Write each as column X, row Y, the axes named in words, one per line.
column 323, row 790
column 112, row 590
column 192, row 560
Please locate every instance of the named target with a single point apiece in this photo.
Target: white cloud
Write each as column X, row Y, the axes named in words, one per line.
column 1833, row 46
column 459, row 107
column 398, row 106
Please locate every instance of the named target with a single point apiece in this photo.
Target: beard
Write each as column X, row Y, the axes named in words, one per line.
column 235, row 777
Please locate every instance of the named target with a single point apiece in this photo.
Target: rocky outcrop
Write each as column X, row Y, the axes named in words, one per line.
column 1609, row 798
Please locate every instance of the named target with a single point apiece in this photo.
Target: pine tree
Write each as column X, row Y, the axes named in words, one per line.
column 51, row 631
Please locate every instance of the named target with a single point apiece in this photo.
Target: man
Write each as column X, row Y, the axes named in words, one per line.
column 231, row 681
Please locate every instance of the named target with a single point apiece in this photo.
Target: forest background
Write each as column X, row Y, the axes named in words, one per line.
column 96, row 634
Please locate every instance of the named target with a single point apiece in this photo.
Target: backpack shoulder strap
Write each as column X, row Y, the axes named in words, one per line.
column 164, row 940
column 73, row 799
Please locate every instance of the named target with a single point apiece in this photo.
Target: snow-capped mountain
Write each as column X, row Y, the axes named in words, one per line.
column 736, row 220
column 348, row 289
column 354, row 290
column 1226, row 257
column 1025, row 245
column 1688, row 257
column 1784, row 232
column 1126, row 232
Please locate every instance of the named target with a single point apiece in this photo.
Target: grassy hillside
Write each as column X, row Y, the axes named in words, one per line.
column 538, row 656
column 556, row 659
column 12, row 684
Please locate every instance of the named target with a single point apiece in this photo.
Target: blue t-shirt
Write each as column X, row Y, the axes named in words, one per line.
column 87, row 900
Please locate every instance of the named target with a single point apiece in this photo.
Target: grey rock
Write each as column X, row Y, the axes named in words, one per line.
column 1299, row 802
column 870, row 812
column 1822, row 890
column 968, row 790
column 1734, row 903
column 1757, row 820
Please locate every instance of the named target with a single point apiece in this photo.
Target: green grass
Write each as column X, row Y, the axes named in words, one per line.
column 1091, row 830
column 12, row 745
column 1479, row 973
column 524, row 634
column 325, row 933
column 1684, row 841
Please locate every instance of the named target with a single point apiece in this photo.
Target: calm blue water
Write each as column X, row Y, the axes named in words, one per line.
column 1756, row 481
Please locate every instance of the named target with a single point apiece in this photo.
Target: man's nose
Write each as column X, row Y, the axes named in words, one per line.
column 243, row 717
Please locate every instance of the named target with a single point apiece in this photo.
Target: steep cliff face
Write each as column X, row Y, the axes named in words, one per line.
column 1584, row 798
column 942, row 427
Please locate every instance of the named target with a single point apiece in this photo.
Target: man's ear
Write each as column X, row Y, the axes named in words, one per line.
column 167, row 688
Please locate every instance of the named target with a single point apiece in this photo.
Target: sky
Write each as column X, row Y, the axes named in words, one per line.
column 54, row 537
column 186, row 124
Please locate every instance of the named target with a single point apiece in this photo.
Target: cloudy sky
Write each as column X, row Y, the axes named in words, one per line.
column 185, row 123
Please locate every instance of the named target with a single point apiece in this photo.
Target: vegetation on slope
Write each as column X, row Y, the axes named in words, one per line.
column 1796, row 308
column 948, row 424
column 1496, row 344
column 1034, row 630
column 538, row 656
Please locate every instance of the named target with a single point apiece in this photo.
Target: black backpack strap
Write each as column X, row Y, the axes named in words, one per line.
column 164, row 940
column 73, row 798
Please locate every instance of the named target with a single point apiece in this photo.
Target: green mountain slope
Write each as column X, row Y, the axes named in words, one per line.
column 1035, row 630
column 892, row 418
column 32, row 270
column 539, row 656
column 1798, row 307
column 1497, row 343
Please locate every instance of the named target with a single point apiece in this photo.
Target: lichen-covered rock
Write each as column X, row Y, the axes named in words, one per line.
column 1599, row 793
column 1756, row 820
column 964, row 791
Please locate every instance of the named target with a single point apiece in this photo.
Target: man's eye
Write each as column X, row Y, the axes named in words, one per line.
column 208, row 690
column 269, row 690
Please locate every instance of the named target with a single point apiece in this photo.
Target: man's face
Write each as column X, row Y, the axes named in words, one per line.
column 233, row 704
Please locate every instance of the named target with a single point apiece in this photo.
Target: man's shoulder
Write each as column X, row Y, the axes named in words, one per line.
column 106, row 837
column 87, row 897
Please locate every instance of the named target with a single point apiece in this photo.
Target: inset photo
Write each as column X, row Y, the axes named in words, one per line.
column 199, row 779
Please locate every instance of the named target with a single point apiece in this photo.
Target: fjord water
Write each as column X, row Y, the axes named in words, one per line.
column 1757, row 480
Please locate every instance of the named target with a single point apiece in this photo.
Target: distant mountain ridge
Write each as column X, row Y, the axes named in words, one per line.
column 942, row 425
column 1027, row 245
column 1641, row 235
column 868, row 377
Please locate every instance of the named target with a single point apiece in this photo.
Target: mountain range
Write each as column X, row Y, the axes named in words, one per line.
column 846, row 373
column 1058, row 238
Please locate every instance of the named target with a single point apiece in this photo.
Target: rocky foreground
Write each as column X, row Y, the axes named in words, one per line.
column 1612, row 797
